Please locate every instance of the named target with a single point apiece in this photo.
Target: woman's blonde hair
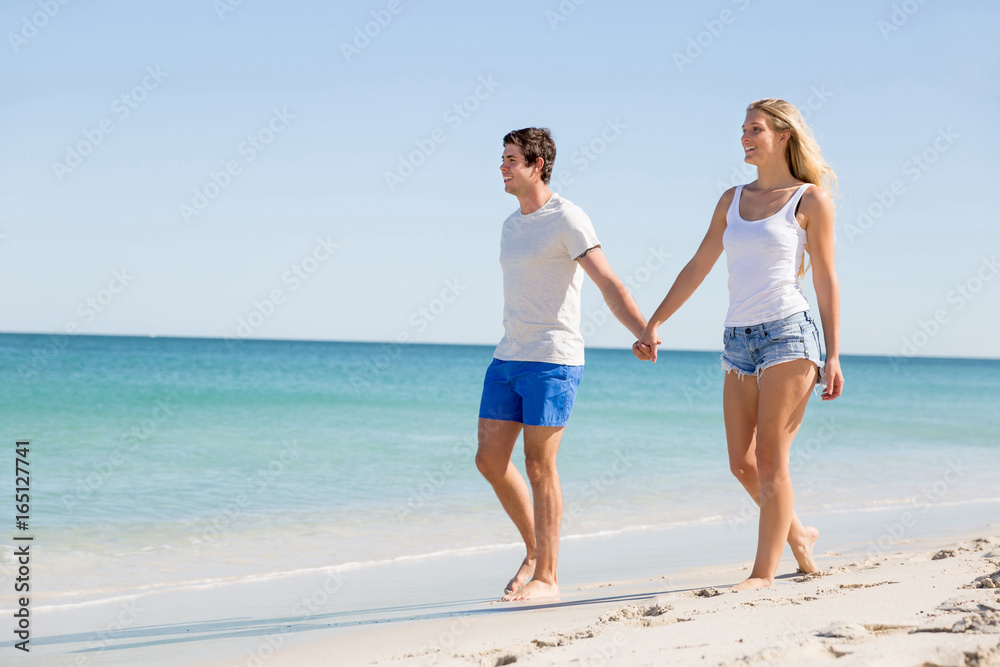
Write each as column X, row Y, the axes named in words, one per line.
column 804, row 157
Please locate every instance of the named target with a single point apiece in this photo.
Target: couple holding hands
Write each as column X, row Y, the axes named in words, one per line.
column 772, row 356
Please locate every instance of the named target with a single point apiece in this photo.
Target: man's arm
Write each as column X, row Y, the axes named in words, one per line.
column 618, row 298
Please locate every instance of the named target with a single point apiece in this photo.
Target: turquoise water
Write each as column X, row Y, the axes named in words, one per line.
column 175, row 462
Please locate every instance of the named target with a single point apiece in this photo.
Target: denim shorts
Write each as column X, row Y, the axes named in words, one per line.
column 750, row 350
column 530, row 392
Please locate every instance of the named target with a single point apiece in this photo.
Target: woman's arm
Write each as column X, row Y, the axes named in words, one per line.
column 818, row 218
column 688, row 280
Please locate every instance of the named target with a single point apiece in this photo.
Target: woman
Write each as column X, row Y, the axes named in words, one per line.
column 772, row 358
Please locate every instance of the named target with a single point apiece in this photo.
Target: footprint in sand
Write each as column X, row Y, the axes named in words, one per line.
column 979, row 623
column 562, row 639
column 977, row 617
column 880, row 583
column 861, row 631
column 983, row 543
column 707, row 593
column 987, row 581
column 641, row 616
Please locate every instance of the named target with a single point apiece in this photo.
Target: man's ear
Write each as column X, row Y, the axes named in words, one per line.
column 539, row 163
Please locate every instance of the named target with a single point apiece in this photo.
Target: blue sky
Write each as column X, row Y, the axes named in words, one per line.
column 330, row 170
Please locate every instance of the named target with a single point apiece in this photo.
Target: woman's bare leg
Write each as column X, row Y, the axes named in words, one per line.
column 762, row 418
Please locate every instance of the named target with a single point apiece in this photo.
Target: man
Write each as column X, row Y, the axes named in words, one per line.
column 546, row 246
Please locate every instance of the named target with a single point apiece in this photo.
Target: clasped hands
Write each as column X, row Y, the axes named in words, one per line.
column 644, row 349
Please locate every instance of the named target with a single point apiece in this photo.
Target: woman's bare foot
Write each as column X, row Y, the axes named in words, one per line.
column 751, row 583
column 803, row 550
column 533, row 590
column 524, row 574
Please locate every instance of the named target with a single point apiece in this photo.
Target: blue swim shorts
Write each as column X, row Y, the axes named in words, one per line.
column 529, row 392
column 751, row 350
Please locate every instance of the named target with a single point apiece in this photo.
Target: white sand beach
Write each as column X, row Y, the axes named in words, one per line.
column 929, row 601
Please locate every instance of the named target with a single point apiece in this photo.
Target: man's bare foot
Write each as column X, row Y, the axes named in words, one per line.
column 751, row 583
column 803, row 551
column 533, row 590
column 521, row 578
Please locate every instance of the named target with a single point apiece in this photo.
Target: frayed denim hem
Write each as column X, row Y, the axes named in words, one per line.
column 728, row 366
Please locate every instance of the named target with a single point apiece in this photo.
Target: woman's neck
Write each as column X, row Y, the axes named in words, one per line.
column 775, row 176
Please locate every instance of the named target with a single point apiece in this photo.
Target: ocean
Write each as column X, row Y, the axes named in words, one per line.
column 162, row 463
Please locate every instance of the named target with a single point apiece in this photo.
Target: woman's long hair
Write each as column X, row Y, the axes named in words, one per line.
column 804, row 157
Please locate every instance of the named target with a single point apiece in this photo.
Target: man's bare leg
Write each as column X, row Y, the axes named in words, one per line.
column 541, row 447
column 496, row 443
column 741, row 398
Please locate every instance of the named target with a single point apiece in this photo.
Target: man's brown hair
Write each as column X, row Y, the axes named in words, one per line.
column 534, row 142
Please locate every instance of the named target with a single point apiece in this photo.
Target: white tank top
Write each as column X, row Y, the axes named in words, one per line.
column 764, row 258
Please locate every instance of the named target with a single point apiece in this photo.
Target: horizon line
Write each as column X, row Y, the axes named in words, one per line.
column 231, row 340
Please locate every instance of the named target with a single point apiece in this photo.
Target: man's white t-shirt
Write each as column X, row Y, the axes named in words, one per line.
column 542, row 281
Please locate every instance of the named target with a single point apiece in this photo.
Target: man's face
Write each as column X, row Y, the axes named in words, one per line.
column 517, row 175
